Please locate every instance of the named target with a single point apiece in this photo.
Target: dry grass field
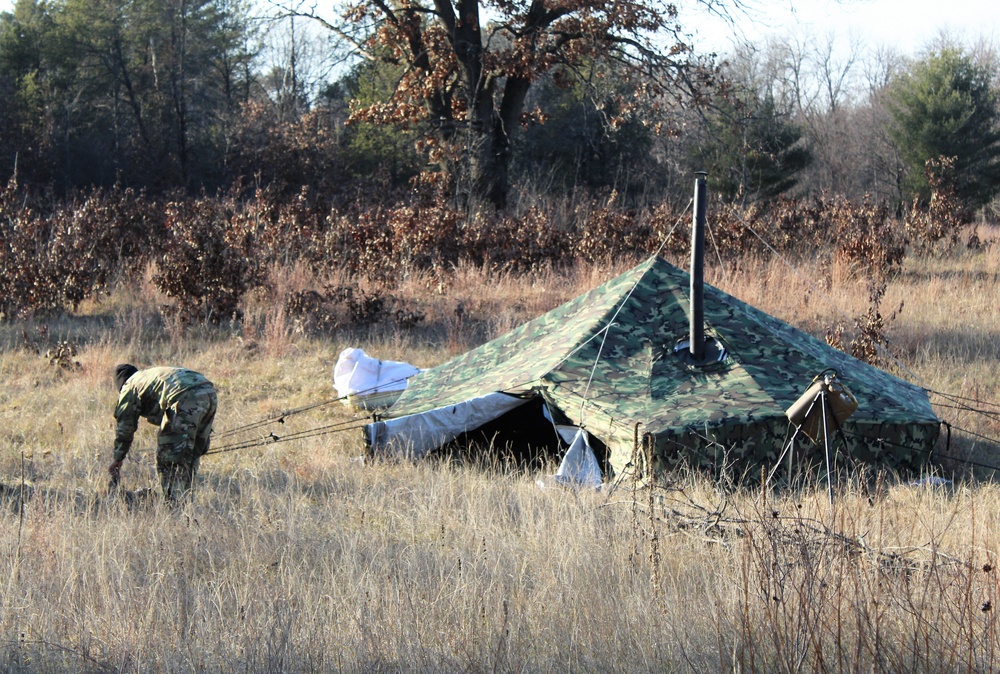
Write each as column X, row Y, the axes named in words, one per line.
column 298, row 557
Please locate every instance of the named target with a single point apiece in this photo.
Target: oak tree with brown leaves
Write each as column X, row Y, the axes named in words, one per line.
column 467, row 67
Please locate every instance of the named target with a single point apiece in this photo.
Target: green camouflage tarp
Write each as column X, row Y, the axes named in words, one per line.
column 606, row 360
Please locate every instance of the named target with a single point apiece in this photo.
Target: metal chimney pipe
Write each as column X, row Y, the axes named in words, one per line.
column 697, row 333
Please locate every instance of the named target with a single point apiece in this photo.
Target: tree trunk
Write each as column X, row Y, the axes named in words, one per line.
column 493, row 150
column 489, row 167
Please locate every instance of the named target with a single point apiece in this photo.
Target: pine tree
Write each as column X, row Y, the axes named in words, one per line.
column 944, row 108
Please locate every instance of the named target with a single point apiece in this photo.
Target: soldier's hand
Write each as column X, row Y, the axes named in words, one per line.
column 115, row 469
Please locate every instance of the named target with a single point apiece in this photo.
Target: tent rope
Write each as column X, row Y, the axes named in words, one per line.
column 271, row 438
column 280, row 418
column 883, row 351
column 959, row 398
column 883, row 441
column 965, row 408
column 929, row 452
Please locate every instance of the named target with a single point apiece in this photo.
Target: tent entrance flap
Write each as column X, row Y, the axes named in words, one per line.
column 525, row 437
column 415, row 435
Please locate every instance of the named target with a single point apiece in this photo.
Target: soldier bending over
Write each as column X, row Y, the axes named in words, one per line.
column 182, row 403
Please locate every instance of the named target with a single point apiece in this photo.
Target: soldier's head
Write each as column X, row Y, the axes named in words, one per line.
column 122, row 373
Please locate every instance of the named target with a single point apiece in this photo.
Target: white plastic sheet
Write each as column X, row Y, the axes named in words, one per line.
column 415, row 435
column 579, row 467
column 357, row 373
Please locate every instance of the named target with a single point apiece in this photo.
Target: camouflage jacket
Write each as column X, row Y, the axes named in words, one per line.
column 148, row 393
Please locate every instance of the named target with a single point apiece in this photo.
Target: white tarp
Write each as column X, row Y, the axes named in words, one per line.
column 415, row 435
column 357, row 373
column 579, row 467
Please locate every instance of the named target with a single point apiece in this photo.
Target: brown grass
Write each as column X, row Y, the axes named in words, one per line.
column 298, row 557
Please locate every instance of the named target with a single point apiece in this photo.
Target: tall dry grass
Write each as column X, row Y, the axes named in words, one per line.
column 298, row 557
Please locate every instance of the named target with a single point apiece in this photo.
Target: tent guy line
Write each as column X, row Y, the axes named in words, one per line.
column 271, row 439
column 957, row 397
column 961, row 404
column 950, row 426
column 280, row 418
column 812, row 286
column 881, row 348
column 611, row 321
column 995, row 416
column 355, row 425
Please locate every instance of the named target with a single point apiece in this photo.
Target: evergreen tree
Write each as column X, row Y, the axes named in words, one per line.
column 944, row 108
column 25, row 84
column 135, row 91
column 582, row 141
column 750, row 149
column 383, row 152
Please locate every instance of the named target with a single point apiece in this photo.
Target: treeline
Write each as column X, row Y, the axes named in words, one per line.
column 202, row 95
column 155, row 135
column 208, row 253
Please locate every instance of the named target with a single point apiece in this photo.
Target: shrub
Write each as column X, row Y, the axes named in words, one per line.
column 607, row 231
column 209, row 259
column 106, row 236
column 526, row 242
column 27, row 282
column 51, row 261
column 940, row 223
column 866, row 236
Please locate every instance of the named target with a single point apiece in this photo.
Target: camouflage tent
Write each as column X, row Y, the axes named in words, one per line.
column 612, row 361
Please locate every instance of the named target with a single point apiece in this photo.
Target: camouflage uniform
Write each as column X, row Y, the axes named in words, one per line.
column 182, row 403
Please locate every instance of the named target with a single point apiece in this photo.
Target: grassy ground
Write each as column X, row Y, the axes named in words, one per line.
column 298, row 557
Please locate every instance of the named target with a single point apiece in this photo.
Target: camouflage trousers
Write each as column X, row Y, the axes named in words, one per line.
column 184, row 438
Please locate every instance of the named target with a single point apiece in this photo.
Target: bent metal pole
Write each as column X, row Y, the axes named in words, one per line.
column 697, row 332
